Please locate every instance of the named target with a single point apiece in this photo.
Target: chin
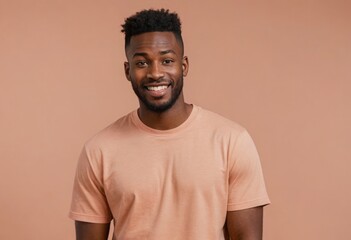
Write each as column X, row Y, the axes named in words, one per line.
column 158, row 107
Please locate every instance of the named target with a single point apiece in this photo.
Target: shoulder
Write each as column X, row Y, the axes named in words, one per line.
column 229, row 134
column 217, row 122
column 111, row 134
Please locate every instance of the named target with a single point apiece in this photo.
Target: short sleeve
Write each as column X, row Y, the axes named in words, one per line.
column 246, row 183
column 89, row 203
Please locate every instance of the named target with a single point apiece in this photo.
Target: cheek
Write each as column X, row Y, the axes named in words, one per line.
column 138, row 74
column 176, row 71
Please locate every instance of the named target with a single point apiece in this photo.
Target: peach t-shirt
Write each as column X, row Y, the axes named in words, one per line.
column 168, row 184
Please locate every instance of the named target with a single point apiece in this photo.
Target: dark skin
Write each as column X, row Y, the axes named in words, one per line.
column 91, row 231
column 151, row 57
column 245, row 224
column 158, row 57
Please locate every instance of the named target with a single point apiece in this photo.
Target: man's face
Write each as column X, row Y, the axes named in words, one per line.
column 156, row 68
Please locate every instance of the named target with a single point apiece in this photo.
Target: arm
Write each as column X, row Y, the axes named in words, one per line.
column 92, row 231
column 245, row 224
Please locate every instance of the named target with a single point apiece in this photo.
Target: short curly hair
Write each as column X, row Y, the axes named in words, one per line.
column 152, row 21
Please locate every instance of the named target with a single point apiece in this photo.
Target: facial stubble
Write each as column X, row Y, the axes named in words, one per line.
column 177, row 88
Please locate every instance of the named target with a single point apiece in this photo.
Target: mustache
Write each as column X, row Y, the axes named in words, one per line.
column 158, row 81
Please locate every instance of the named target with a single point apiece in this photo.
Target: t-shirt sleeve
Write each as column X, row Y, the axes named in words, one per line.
column 89, row 203
column 246, row 184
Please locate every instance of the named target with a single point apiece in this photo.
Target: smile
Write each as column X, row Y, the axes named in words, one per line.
column 157, row 88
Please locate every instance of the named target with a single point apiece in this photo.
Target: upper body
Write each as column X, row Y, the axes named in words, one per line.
column 168, row 184
column 169, row 170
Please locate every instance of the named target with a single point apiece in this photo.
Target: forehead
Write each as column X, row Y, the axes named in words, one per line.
column 153, row 41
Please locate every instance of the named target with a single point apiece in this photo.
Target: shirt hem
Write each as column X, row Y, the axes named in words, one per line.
column 88, row 218
column 250, row 204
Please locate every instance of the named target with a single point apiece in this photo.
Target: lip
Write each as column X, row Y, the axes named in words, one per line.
column 157, row 93
column 157, row 84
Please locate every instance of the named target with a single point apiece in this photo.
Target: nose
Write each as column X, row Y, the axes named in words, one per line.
column 155, row 71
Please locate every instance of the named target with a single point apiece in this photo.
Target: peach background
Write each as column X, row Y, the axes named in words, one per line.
column 280, row 68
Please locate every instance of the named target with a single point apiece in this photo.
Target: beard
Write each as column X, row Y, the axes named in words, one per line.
column 159, row 107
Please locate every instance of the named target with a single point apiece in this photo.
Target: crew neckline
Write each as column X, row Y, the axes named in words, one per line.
column 141, row 126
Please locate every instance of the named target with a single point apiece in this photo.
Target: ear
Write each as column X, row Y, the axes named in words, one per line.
column 185, row 66
column 126, row 70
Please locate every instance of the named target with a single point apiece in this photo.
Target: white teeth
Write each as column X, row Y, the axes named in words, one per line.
column 156, row 88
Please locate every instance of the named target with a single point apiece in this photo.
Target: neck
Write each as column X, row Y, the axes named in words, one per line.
column 168, row 119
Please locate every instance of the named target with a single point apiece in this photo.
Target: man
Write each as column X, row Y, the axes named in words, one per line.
column 169, row 170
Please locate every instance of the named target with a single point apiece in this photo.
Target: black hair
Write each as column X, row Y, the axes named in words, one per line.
column 152, row 21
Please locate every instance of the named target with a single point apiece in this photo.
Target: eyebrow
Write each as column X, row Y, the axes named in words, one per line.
column 167, row 51
column 143, row 54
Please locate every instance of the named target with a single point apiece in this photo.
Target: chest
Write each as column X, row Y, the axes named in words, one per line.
column 171, row 168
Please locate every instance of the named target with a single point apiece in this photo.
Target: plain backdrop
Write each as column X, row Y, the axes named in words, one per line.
column 282, row 69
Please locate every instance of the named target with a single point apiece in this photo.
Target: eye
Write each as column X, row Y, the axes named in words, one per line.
column 141, row 64
column 168, row 61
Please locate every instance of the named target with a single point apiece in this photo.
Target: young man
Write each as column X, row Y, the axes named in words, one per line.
column 169, row 170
